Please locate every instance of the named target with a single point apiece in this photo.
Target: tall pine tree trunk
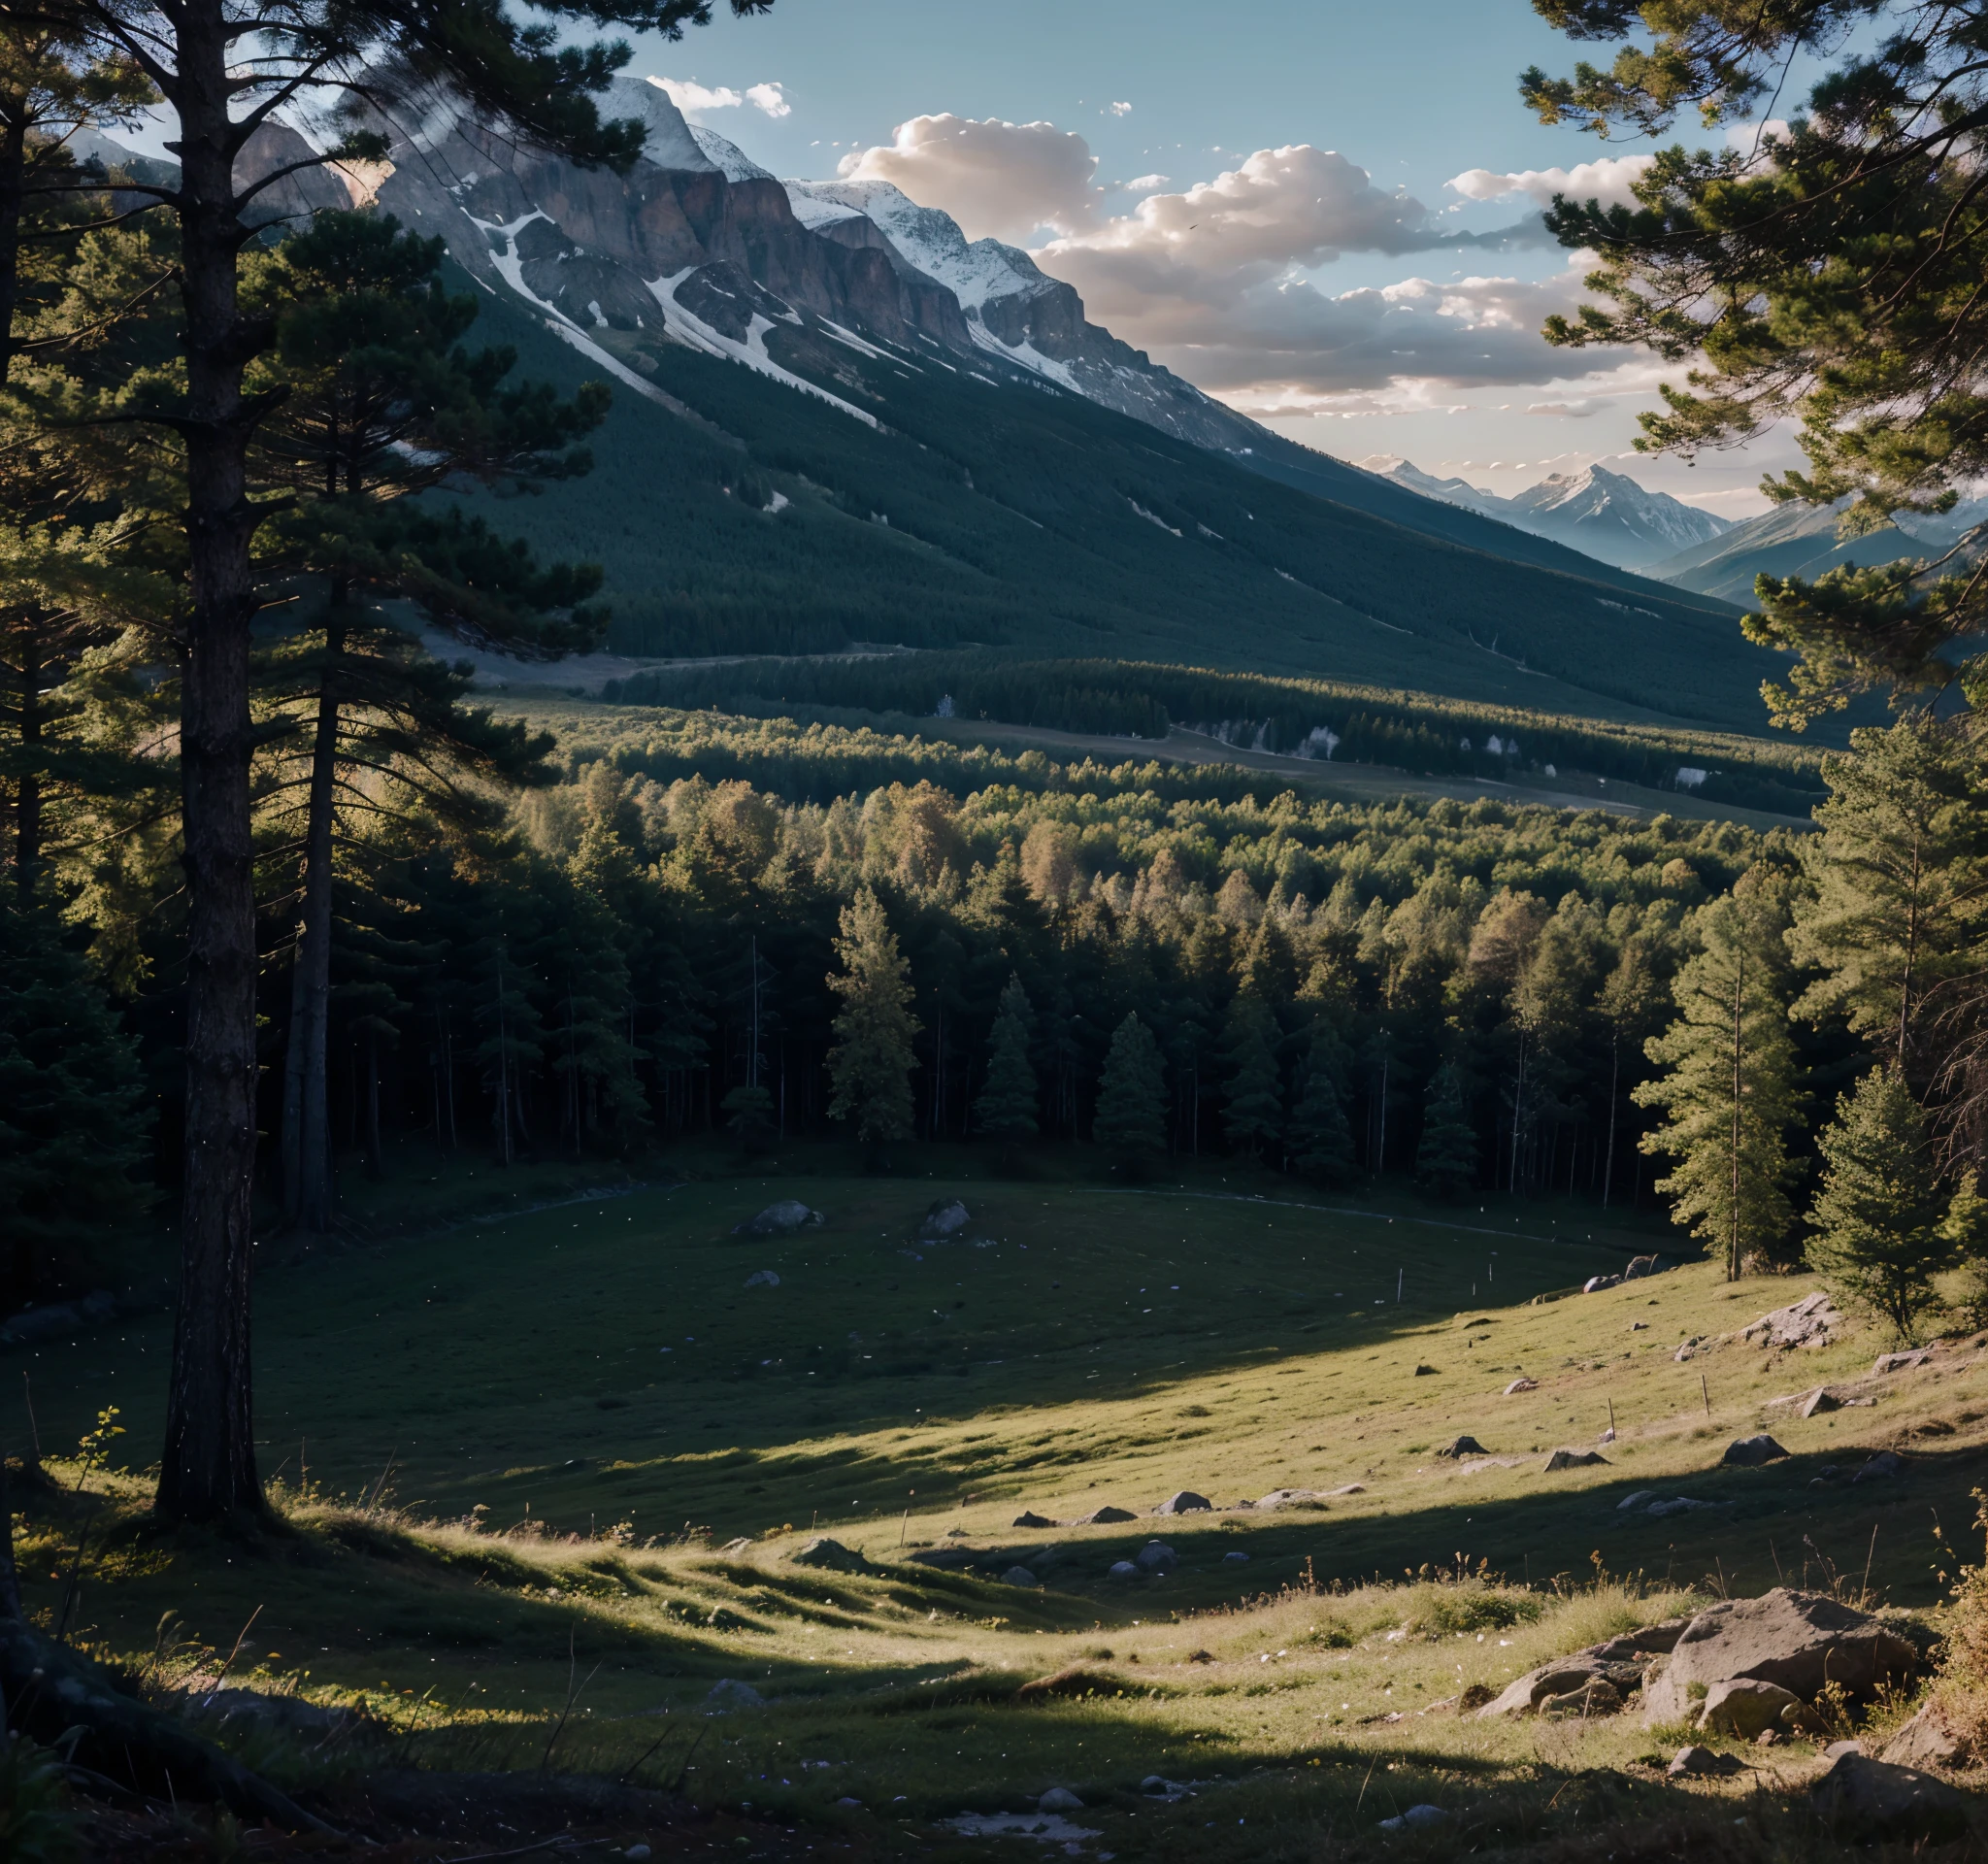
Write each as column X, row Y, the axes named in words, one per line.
column 27, row 800
column 307, row 1115
column 207, row 1470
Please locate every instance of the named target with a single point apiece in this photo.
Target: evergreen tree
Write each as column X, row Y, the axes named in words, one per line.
column 1253, row 1101
column 380, row 401
column 1827, row 273
column 75, row 1122
column 1882, row 1218
column 207, row 61
column 1730, row 1093
column 1131, row 1120
column 870, row 1066
column 1447, row 1158
column 1322, row 1139
column 1900, row 879
column 1007, row 1106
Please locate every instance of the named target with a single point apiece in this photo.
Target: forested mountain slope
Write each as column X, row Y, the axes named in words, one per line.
column 744, row 515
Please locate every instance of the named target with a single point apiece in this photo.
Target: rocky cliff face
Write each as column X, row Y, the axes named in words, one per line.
column 696, row 243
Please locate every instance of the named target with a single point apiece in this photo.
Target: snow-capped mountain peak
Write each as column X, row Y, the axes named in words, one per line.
column 973, row 271
column 730, row 159
column 1604, row 515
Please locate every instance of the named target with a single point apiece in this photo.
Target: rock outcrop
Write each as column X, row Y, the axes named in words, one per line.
column 1798, row 1639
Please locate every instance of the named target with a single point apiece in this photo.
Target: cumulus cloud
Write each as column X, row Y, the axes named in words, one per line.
column 1607, row 180
column 689, row 96
column 1147, row 184
column 996, row 179
column 1216, row 281
column 1121, row 110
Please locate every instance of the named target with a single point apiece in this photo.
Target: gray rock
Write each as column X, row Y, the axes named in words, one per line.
column 1574, row 1460
column 1348, row 1488
column 1882, row 1800
column 944, row 1220
column 1688, row 1351
column 1017, row 1576
column 290, row 1716
column 1059, row 1799
column 1415, row 1818
column 1697, row 1760
column 1901, row 1361
column 1123, row 1570
column 762, row 1279
column 1521, row 1385
column 1881, row 1468
column 1464, row 1446
column 1745, row 1707
column 1235, row 1558
column 1818, row 1401
column 1564, row 1677
column 780, row 1219
column 1749, row 1452
column 1286, row 1498
column 1185, row 1502
column 832, row 1555
column 729, row 1693
column 1594, row 1283
column 1156, row 1556
column 1104, row 1516
column 1799, row 1640
column 1030, row 1518
column 1811, row 1322
column 1676, row 1504
column 1635, row 1500
column 1597, row 1696
column 1925, row 1742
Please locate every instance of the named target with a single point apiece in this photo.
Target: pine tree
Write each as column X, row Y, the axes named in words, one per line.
column 1900, row 877
column 1447, row 1158
column 1253, row 1101
column 522, row 79
column 1731, row 1092
column 870, row 1066
column 1322, row 1139
column 1007, row 1105
column 74, row 1120
column 1131, row 1120
column 1883, row 1220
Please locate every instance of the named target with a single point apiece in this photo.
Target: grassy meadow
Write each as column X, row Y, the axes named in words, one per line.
column 543, row 1471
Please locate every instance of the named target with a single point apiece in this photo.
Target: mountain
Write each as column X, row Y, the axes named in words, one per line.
column 1801, row 539
column 1602, row 514
column 846, row 422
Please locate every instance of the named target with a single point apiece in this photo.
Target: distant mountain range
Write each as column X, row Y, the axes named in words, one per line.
column 1801, row 539
column 1601, row 514
column 843, row 421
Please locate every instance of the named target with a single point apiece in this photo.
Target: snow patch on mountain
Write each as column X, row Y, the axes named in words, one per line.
column 731, row 160
column 669, row 141
column 973, row 271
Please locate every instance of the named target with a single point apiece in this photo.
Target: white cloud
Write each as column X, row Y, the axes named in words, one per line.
column 996, row 179
column 1145, row 184
column 689, row 96
column 1607, row 180
column 1121, row 110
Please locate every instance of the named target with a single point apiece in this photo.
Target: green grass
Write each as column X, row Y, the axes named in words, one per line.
column 541, row 1455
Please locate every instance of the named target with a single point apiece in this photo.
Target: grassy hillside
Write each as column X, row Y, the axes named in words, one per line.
column 760, row 519
column 601, row 1370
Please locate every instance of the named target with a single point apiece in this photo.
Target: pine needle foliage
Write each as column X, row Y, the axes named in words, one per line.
column 1881, row 1216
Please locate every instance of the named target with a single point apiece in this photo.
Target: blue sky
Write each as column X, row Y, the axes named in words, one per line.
column 1366, row 331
